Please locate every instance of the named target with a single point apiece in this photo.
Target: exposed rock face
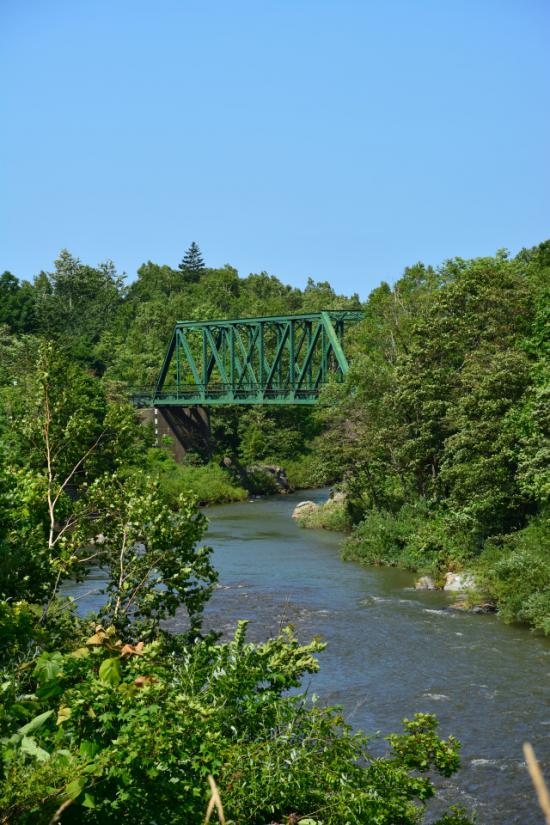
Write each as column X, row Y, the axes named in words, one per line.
column 425, row 583
column 304, row 507
column 459, row 581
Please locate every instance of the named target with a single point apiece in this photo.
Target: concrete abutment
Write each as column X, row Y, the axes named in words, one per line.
column 188, row 429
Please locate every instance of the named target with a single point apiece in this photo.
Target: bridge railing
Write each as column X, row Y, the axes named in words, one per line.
column 226, row 393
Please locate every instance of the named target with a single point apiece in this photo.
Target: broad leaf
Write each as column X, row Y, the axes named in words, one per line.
column 75, row 788
column 63, row 714
column 110, row 671
column 35, row 723
column 28, row 745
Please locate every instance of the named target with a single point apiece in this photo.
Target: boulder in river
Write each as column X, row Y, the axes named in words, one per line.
column 459, row 581
column 304, row 507
column 465, row 607
column 425, row 583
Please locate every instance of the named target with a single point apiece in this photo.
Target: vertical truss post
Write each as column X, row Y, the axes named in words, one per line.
column 232, row 359
column 309, row 361
column 261, row 365
column 204, row 359
column 178, row 366
column 292, row 355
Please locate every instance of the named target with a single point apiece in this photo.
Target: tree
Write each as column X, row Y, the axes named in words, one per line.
column 149, row 549
column 64, row 432
column 154, row 282
column 192, row 264
column 77, row 303
column 16, row 303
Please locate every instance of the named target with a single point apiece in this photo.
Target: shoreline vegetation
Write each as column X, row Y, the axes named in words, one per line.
column 442, row 430
column 439, row 437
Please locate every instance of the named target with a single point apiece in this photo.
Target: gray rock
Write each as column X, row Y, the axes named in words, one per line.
column 455, row 582
column 425, row 583
column 304, row 507
column 277, row 474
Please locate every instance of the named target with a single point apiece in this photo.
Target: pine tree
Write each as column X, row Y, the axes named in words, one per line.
column 192, row 264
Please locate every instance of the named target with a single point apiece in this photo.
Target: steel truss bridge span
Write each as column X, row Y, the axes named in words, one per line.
column 268, row 360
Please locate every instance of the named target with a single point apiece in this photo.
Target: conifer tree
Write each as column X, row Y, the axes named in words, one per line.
column 192, row 264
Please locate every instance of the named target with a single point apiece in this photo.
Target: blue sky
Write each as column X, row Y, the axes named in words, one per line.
column 338, row 140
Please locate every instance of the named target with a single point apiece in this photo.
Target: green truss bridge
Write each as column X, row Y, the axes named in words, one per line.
column 269, row 360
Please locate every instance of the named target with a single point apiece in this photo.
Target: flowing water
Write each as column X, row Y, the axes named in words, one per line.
column 391, row 650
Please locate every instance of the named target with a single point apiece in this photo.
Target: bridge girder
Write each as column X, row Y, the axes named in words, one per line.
column 266, row 360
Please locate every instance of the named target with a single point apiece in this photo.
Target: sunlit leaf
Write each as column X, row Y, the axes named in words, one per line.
column 110, row 671
column 75, row 788
column 63, row 714
column 28, row 745
column 35, row 723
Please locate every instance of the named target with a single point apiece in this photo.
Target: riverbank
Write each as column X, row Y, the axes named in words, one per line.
column 220, row 482
column 508, row 576
column 391, row 650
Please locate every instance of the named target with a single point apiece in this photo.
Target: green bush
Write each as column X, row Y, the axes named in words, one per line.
column 379, row 539
column 208, row 483
column 515, row 572
column 327, row 517
column 306, row 471
column 259, row 482
column 18, row 630
column 414, row 538
column 132, row 732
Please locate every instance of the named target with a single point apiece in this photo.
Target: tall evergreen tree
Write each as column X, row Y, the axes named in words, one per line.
column 192, row 264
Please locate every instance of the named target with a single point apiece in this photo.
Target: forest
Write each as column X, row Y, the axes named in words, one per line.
column 439, row 440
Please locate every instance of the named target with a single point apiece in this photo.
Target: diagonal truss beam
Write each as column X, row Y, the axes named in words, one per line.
column 272, row 359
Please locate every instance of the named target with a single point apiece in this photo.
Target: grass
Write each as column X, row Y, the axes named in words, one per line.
column 209, row 483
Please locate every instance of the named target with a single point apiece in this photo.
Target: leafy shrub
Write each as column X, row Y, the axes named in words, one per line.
column 117, row 731
column 306, row 471
column 414, row 538
column 18, row 629
column 260, row 482
column 208, row 483
column 515, row 571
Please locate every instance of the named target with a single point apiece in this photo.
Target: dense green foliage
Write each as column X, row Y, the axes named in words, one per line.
column 133, row 730
column 441, row 432
column 208, row 483
column 443, row 429
column 109, row 718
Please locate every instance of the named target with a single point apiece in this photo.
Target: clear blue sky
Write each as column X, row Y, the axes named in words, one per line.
column 341, row 140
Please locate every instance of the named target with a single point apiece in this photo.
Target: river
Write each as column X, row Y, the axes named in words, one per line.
column 391, row 650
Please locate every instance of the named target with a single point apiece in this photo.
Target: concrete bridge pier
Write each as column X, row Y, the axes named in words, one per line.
column 187, row 427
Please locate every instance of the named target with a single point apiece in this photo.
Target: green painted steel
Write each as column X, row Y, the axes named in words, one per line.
column 269, row 360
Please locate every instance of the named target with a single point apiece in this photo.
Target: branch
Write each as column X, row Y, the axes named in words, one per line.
column 77, row 465
column 138, row 587
column 121, row 575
